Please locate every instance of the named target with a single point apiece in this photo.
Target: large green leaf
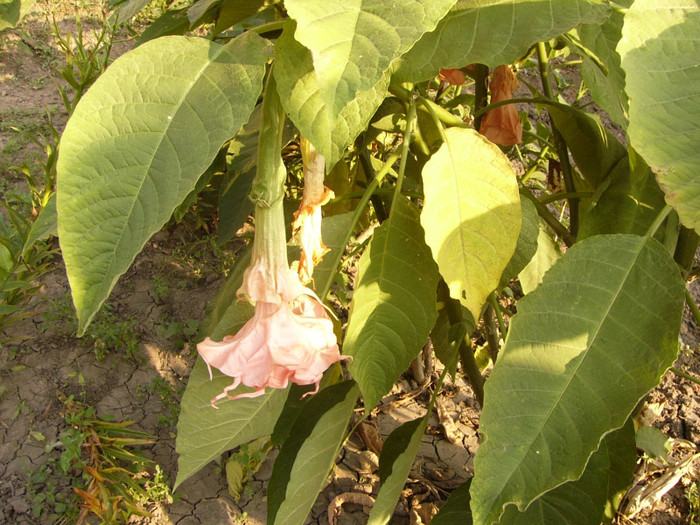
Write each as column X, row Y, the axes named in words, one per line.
column 394, row 305
column 607, row 88
column 471, row 215
column 580, row 501
column 659, row 55
column 592, row 339
column 308, row 455
column 398, row 454
column 301, row 97
column 136, row 145
column 354, row 42
column 494, row 32
column 627, row 197
column 204, row 433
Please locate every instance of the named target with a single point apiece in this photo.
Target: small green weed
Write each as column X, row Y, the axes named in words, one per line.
column 178, row 332
column 692, row 494
column 107, row 333
column 170, row 399
column 161, row 289
column 101, row 460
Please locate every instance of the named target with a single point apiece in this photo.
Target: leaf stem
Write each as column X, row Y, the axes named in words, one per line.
column 559, row 142
column 370, row 174
column 491, row 332
column 660, row 218
column 685, row 375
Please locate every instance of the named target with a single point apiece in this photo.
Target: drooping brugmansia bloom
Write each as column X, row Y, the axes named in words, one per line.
column 307, row 220
column 501, row 125
column 290, row 337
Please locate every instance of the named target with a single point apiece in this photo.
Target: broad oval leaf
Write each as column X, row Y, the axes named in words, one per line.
column 354, row 42
column 394, row 305
column 494, row 32
column 398, row 454
column 136, row 145
column 301, row 97
column 664, row 109
column 583, row 349
column 204, row 433
column 308, row 455
column 471, row 215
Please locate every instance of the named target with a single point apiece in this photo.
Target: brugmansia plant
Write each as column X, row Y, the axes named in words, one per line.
column 371, row 93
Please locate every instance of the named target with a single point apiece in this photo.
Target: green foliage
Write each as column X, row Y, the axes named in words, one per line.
column 391, row 308
column 205, row 84
column 625, row 318
column 398, row 454
column 462, row 207
column 12, row 11
column 114, row 480
column 661, row 105
column 428, row 217
column 307, row 456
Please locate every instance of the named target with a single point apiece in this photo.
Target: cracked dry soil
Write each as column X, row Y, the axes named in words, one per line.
column 52, row 362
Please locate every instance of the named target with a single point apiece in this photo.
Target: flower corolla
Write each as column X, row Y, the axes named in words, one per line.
column 290, row 337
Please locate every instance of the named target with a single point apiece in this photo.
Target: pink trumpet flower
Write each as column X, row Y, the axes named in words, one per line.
column 501, row 125
column 290, row 337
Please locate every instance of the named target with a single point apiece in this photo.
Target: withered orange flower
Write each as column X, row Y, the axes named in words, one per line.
column 456, row 77
column 307, row 220
column 501, row 125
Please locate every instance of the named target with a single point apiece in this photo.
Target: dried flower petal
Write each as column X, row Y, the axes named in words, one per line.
column 456, row 77
column 307, row 224
column 501, row 125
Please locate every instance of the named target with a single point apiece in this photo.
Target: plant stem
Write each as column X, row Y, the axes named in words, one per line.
column 369, row 192
column 404, row 150
column 692, row 305
column 559, row 142
column 481, row 93
column 499, row 315
column 491, row 332
column 561, row 196
column 547, row 217
column 377, row 202
column 464, row 348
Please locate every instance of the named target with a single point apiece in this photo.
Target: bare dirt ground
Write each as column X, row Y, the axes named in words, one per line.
column 154, row 312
